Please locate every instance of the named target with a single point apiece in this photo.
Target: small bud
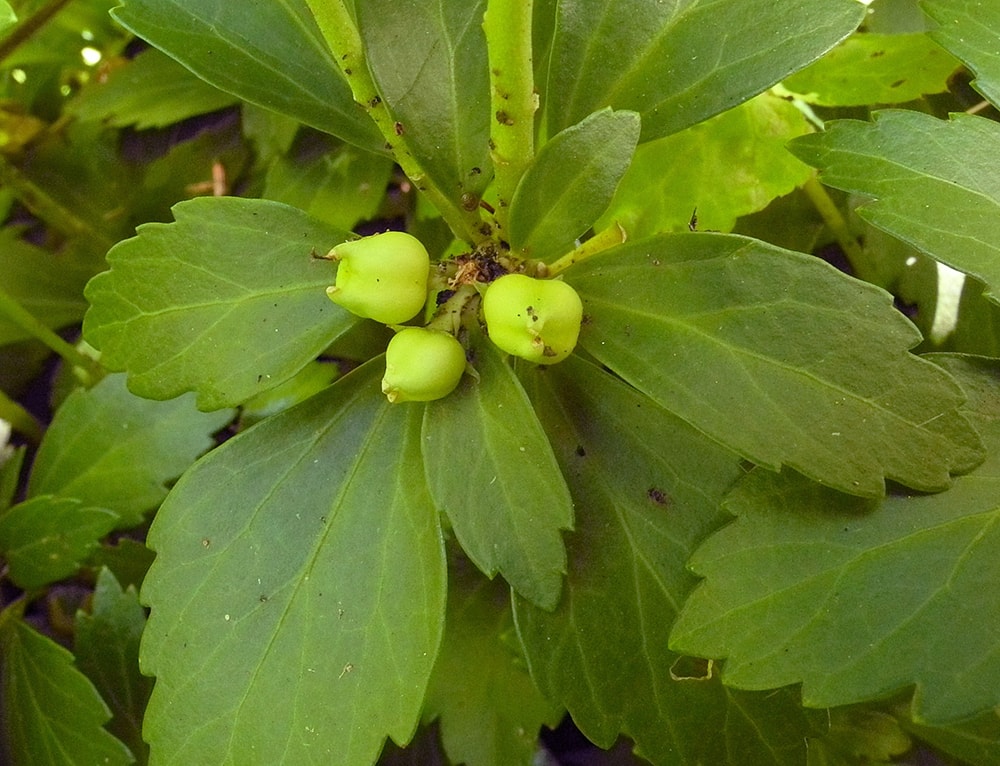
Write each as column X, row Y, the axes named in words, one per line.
column 381, row 277
column 422, row 365
column 535, row 319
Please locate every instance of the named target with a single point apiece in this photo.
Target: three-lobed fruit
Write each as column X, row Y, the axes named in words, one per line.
column 381, row 277
column 535, row 319
column 422, row 364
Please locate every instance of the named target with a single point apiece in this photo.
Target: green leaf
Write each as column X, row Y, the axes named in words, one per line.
column 341, row 188
column 934, row 182
column 271, row 54
column 859, row 735
column 227, row 301
column 7, row 15
column 53, row 716
column 778, row 356
column 488, row 708
column 491, row 470
column 678, row 63
column 107, row 650
column 150, row 91
column 857, row 599
column 108, row 448
column 647, row 488
column 571, row 182
column 49, row 286
column 969, row 30
column 976, row 741
column 429, row 64
column 300, row 562
column 729, row 166
column 872, row 68
column 45, row 539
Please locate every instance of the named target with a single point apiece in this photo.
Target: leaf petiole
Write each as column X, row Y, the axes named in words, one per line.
column 614, row 235
column 20, row 316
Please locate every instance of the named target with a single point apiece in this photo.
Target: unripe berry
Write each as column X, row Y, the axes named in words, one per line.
column 422, row 365
column 381, row 277
column 535, row 319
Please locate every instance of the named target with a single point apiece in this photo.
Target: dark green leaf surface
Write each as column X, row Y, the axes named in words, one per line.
column 49, row 286
column 934, row 182
column 107, row 650
column 858, row 600
column 273, row 55
column 488, row 709
column 429, row 63
column 976, row 741
column 341, row 188
column 647, row 488
column 150, row 91
column 108, row 448
column 53, row 716
column 45, row 539
column 298, row 591
column 778, row 356
column 571, row 182
column 227, row 301
column 490, row 468
column 870, row 68
column 969, row 29
column 682, row 61
column 725, row 167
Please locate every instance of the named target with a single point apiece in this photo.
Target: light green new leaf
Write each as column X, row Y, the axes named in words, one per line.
column 869, row 68
column 968, row 28
column 731, row 165
column 682, row 61
column 108, row 448
column 298, row 591
column 571, row 182
column 490, row 468
column 934, row 182
column 647, row 489
column 150, row 91
column 53, row 716
column 227, row 301
column 430, row 66
column 778, row 356
column 107, row 650
column 44, row 539
column 270, row 54
column 488, row 709
column 859, row 600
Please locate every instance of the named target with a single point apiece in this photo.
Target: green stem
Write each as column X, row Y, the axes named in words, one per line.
column 25, row 30
column 507, row 25
column 344, row 40
column 609, row 237
column 20, row 419
column 837, row 224
column 21, row 317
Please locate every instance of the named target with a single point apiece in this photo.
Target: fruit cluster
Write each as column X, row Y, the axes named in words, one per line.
column 385, row 277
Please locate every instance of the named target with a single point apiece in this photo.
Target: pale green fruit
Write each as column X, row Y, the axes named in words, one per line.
column 381, row 277
column 422, row 365
column 535, row 319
